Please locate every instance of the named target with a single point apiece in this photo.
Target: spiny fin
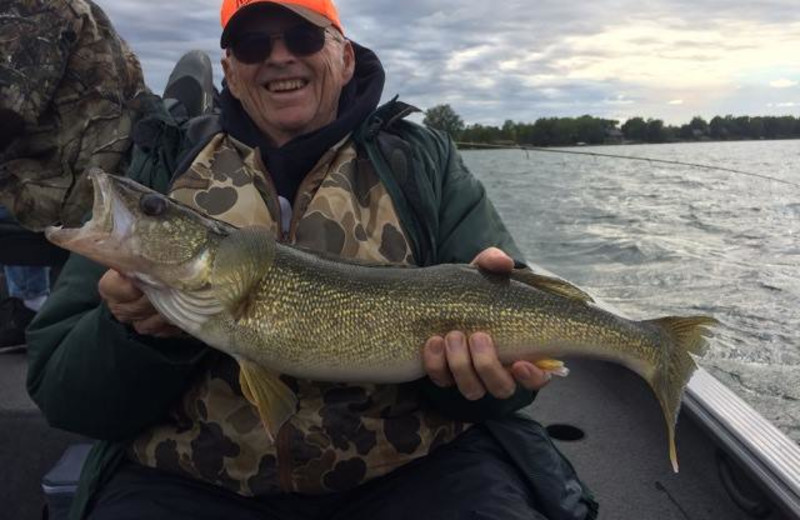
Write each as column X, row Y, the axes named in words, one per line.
column 553, row 366
column 683, row 335
column 242, row 260
column 550, row 284
column 275, row 401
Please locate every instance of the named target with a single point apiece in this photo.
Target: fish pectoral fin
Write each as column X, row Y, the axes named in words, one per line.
column 551, row 285
column 275, row 401
column 242, row 260
column 553, row 366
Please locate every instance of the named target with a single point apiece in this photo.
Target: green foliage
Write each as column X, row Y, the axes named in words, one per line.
column 635, row 129
column 566, row 131
column 554, row 131
column 443, row 117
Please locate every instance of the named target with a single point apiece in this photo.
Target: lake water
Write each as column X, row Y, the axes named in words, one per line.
column 655, row 239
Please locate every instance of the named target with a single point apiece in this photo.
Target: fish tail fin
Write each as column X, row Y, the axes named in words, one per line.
column 686, row 337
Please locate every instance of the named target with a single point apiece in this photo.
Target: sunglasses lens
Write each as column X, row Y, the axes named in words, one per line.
column 252, row 48
column 305, row 39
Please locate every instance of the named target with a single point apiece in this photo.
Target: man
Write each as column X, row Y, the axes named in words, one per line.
column 303, row 151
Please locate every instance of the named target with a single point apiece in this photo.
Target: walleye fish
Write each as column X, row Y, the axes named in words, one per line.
column 283, row 310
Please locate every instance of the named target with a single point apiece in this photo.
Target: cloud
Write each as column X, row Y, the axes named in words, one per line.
column 675, row 102
column 782, row 83
column 519, row 62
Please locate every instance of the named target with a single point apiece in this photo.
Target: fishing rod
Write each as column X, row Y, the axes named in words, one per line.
column 629, row 157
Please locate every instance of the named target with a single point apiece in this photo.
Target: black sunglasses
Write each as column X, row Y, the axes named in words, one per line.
column 301, row 40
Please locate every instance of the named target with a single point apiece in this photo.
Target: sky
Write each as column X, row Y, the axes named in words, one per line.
column 526, row 59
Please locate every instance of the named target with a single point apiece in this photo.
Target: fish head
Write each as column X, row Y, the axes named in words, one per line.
column 144, row 234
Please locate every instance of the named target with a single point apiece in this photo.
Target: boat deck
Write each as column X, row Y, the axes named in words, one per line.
column 622, row 457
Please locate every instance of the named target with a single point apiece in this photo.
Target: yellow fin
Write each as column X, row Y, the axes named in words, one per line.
column 275, row 401
column 550, row 284
column 684, row 336
column 553, row 366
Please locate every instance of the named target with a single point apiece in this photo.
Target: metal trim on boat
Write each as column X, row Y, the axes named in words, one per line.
column 756, row 444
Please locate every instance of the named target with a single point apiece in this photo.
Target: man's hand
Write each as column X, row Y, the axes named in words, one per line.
column 130, row 306
column 472, row 363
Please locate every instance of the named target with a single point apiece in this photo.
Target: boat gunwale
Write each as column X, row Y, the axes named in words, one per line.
column 753, row 441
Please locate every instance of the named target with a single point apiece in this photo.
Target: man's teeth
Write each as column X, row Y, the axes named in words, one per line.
column 284, row 85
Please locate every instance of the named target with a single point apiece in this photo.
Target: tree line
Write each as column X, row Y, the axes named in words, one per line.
column 565, row 131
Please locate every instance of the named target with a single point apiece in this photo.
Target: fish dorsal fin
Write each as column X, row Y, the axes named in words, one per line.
column 275, row 402
column 242, row 260
column 550, row 284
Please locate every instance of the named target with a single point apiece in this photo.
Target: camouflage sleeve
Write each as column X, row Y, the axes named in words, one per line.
column 36, row 39
column 66, row 84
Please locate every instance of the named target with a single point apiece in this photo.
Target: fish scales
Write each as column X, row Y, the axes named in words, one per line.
column 316, row 318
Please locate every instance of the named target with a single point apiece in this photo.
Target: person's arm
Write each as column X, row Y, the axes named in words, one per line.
column 466, row 379
column 36, row 40
column 93, row 375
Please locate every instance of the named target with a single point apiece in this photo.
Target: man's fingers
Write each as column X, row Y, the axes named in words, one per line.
column 460, row 363
column 495, row 260
column 113, row 287
column 529, row 375
column 496, row 379
column 125, row 301
column 155, row 325
column 132, row 311
column 434, row 361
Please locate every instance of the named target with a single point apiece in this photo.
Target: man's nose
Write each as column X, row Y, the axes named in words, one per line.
column 280, row 52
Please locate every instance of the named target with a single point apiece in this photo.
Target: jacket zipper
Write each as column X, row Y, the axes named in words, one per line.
column 283, row 442
column 273, row 194
column 283, row 452
column 283, row 447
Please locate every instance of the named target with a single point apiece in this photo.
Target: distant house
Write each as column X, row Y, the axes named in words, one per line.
column 614, row 136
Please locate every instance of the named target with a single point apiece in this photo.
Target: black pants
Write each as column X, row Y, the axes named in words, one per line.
column 470, row 478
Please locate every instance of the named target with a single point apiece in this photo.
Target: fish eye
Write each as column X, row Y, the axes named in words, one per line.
column 153, row 205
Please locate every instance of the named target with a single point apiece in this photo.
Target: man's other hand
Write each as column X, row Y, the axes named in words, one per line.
column 130, row 306
column 472, row 363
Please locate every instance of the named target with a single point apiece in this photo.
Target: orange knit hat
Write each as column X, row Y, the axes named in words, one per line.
column 321, row 13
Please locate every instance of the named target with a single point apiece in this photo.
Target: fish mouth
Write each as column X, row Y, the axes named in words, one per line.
column 108, row 229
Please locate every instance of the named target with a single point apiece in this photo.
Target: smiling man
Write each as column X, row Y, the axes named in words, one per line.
column 304, row 150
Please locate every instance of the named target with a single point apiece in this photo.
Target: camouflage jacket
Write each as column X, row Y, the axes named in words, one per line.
column 68, row 85
column 92, row 375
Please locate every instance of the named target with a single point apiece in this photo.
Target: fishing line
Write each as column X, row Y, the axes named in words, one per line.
column 631, row 158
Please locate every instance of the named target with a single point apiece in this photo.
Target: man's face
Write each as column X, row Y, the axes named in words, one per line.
column 287, row 95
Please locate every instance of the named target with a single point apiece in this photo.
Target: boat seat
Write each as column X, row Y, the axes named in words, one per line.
column 29, row 447
column 61, row 482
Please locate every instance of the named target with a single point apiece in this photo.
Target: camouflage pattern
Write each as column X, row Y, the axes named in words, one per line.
column 68, row 79
column 342, row 434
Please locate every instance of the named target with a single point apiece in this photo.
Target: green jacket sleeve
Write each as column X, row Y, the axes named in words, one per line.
column 467, row 224
column 92, row 375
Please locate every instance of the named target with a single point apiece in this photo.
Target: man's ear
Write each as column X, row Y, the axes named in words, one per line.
column 349, row 58
column 231, row 79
